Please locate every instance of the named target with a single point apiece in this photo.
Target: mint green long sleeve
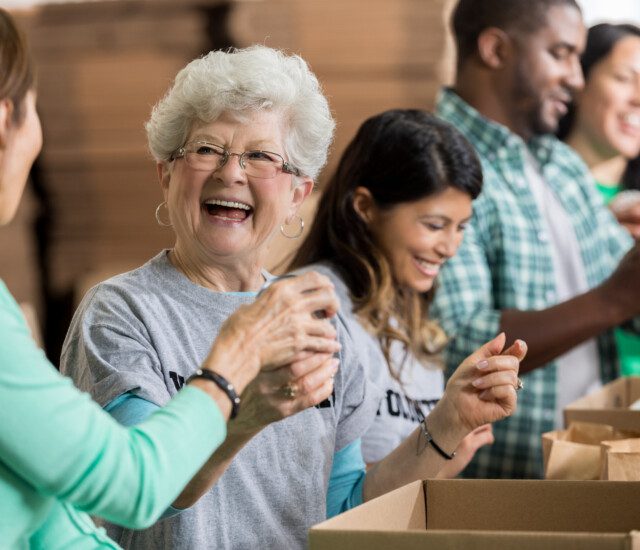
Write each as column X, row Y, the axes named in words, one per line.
column 62, row 456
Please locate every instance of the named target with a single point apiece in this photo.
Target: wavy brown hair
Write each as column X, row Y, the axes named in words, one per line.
column 16, row 68
column 400, row 156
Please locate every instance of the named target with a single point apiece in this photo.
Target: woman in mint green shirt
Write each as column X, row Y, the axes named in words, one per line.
column 604, row 128
column 61, row 456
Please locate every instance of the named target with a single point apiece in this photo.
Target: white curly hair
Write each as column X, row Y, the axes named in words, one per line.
column 240, row 81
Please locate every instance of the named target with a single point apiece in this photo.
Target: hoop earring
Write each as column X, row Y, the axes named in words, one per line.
column 160, row 222
column 298, row 233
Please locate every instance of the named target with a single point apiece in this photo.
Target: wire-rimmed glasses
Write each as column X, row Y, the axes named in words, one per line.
column 209, row 157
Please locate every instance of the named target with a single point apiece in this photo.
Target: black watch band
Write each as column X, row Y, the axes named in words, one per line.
column 223, row 384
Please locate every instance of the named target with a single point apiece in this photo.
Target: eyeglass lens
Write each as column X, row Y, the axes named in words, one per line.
column 209, row 157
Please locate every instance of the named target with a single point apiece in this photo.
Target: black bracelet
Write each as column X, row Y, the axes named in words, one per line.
column 429, row 437
column 223, row 384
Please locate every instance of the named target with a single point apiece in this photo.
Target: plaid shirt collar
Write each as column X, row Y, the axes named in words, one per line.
column 491, row 139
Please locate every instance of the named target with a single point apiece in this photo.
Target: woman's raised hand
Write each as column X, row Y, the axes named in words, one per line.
column 281, row 348
column 295, row 313
column 483, row 388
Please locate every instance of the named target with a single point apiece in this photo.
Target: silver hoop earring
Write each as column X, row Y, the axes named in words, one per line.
column 160, row 222
column 298, row 232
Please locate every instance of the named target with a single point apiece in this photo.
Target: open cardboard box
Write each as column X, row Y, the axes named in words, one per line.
column 488, row 514
column 609, row 405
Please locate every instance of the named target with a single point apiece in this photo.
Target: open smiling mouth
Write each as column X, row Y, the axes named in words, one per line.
column 230, row 211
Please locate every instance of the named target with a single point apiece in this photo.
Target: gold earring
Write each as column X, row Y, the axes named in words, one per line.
column 298, row 232
column 160, row 222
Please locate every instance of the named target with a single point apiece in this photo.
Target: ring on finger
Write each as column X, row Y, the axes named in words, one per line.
column 519, row 384
column 289, row 391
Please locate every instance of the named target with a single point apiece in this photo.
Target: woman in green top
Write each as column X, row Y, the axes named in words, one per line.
column 603, row 126
column 61, row 456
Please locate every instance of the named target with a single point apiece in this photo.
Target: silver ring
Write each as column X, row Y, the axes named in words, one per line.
column 289, row 391
column 519, row 384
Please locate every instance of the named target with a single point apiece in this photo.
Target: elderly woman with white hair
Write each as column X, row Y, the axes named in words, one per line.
column 239, row 140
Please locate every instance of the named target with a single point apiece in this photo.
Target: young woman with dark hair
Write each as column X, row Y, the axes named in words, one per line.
column 603, row 126
column 394, row 211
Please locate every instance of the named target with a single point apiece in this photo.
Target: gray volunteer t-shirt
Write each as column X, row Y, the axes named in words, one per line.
column 422, row 386
column 147, row 331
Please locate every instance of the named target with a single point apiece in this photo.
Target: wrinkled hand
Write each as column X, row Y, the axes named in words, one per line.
column 266, row 399
column 280, row 328
column 466, row 450
column 483, row 388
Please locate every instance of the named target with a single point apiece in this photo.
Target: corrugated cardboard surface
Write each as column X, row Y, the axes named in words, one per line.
column 533, row 505
column 609, row 405
column 469, row 540
column 482, row 514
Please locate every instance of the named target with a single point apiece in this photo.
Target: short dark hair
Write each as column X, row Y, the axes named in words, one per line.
column 16, row 68
column 601, row 39
column 471, row 17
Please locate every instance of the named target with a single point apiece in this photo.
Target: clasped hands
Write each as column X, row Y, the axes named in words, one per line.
column 290, row 344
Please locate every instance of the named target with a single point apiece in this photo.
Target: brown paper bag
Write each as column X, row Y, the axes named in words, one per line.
column 621, row 460
column 576, row 453
column 568, row 460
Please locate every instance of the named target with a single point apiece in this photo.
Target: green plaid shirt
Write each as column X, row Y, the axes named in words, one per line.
column 505, row 262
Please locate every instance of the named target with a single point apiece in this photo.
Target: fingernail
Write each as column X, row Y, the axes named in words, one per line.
column 477, row 382
column 335, row 365
column 482, row 364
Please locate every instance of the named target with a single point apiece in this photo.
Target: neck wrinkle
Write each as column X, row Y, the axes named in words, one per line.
column 217, row 277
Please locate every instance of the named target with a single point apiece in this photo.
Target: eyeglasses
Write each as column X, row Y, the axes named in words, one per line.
column 209, row 157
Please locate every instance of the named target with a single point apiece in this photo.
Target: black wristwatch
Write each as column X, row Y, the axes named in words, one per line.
column 223, row 384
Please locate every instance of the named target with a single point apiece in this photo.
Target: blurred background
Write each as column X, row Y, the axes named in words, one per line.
column 89, row 208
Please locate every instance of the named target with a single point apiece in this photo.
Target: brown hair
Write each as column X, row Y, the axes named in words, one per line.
column 16, row 68
column 402, row 155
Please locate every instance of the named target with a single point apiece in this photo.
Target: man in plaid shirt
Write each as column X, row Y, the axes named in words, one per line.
column 542, row 259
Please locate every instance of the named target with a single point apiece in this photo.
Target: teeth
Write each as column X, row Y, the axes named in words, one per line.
column 632, row 119
column 427, row 265
column 228, row 204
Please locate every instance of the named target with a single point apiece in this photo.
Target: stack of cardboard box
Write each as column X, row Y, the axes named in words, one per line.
column 101, row 66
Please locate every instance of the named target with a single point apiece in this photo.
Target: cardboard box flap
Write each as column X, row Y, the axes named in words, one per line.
column 528, row 505
column 404, row 509
column 610, row 405
column 619, row 394
column 469, row 540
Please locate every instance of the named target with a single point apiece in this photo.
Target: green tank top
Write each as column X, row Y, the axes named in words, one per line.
column 608, row 192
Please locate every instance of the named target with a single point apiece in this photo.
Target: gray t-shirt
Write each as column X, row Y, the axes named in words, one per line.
column 147, row 331
column 422, row 386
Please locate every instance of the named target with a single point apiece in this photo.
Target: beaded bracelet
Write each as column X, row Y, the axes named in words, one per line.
column 223, row 384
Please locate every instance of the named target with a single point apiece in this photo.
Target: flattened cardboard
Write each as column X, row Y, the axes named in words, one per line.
column 482, row 514
column 609, row 405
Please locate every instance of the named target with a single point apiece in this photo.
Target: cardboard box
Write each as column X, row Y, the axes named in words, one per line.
column 610, row 405
column 488, row 514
